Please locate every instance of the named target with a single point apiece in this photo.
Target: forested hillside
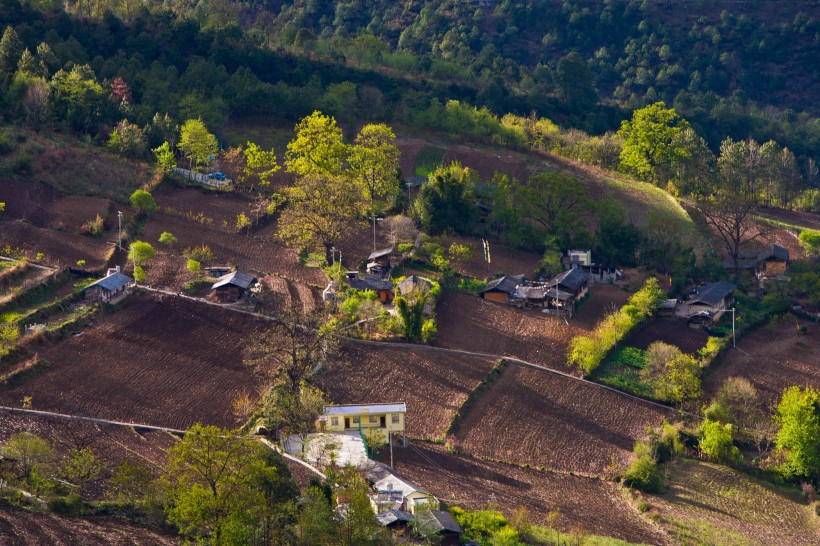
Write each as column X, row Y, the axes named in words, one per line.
column 732, row 69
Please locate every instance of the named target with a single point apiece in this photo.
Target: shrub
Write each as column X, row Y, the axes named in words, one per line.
column 716, row 442
column 201, row 253
column 167, row 238
column 94, row 227
column 798, row 435
column 429, row 330
column 587, row 352
column 194, row 268
column 643, row 474
column 139, row 274
column 143, row 202
column 405, row 247
column 811, row 240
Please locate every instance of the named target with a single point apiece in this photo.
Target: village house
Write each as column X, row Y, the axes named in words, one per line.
column 393, row 492
column 378, row 263
column 383, row 288
column 232, row 287
column 420, row 285
column 582, row 259
column 768, row 263
column 439, row 524
column 574, row 282
column 707, row 302
column 110, row 288
column 388, row 417
column 501, row 289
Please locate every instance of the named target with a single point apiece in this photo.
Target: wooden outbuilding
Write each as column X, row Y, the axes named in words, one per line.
column 382, row 287
column 378, row 263
column 232, row 287
column 574, row 282
column 708, row 301
column 109, row 288
column 501, row 289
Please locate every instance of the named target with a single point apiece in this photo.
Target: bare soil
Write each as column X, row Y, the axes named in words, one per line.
column 547, row 420
column 794, row 217
column 169, row 362
column 27, row 528
column 471, row 323
column 668, row 330
column 59, row 248
column 594, row 506
column 432, row 384
column 772, row 359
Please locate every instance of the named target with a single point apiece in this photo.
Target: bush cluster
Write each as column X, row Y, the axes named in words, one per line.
column 587, row 352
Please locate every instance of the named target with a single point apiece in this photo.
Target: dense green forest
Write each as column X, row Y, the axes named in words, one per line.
column 746, row 71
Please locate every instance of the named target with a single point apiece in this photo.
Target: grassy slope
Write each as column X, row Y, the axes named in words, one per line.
column 712, row 504
column 73, row 167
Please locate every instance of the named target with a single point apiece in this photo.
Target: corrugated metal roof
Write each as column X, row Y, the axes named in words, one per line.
column 394, row 407
column 112, row 282
column 236, row 278
column 380, row 253
column 391, row 516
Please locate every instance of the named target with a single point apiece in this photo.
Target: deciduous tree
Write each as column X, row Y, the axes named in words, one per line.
column 318, row 148
column 374, row 164
column 319, row 208
column 259, row 164
column 798, row 434
column 651, row 141
column 198, row 145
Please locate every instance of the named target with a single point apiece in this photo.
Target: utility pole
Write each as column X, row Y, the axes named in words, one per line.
column 733, row 328
column 374, row 231
column 333, row 254
column 119, row 232
column 390, row 441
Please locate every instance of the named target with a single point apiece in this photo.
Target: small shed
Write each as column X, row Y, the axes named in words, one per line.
column 383, row 288
column 772, row 261
column 395, row 519
column 379, row 261
column 530, row 296
column 108, row 288
column 439, row 524
column 501, row 289
column 232, row 287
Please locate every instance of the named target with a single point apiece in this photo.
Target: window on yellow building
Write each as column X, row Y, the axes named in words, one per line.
column 334, row 421
column 394, row 419
column 356, row 420
column 373, row 419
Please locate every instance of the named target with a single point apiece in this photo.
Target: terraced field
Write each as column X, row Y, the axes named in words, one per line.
column 594, row 506
column 432, row 384
column 170, row 362
column 543, row 419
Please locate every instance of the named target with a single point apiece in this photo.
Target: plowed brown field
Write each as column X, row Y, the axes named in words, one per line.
column 432, row 384
column 503, row 260
column 24, row 528
column 471, row 323
column 59, row 248
column 583, row 503
column 536, row 417
column 772, row 360
column 669, row 330
column 167, row 363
